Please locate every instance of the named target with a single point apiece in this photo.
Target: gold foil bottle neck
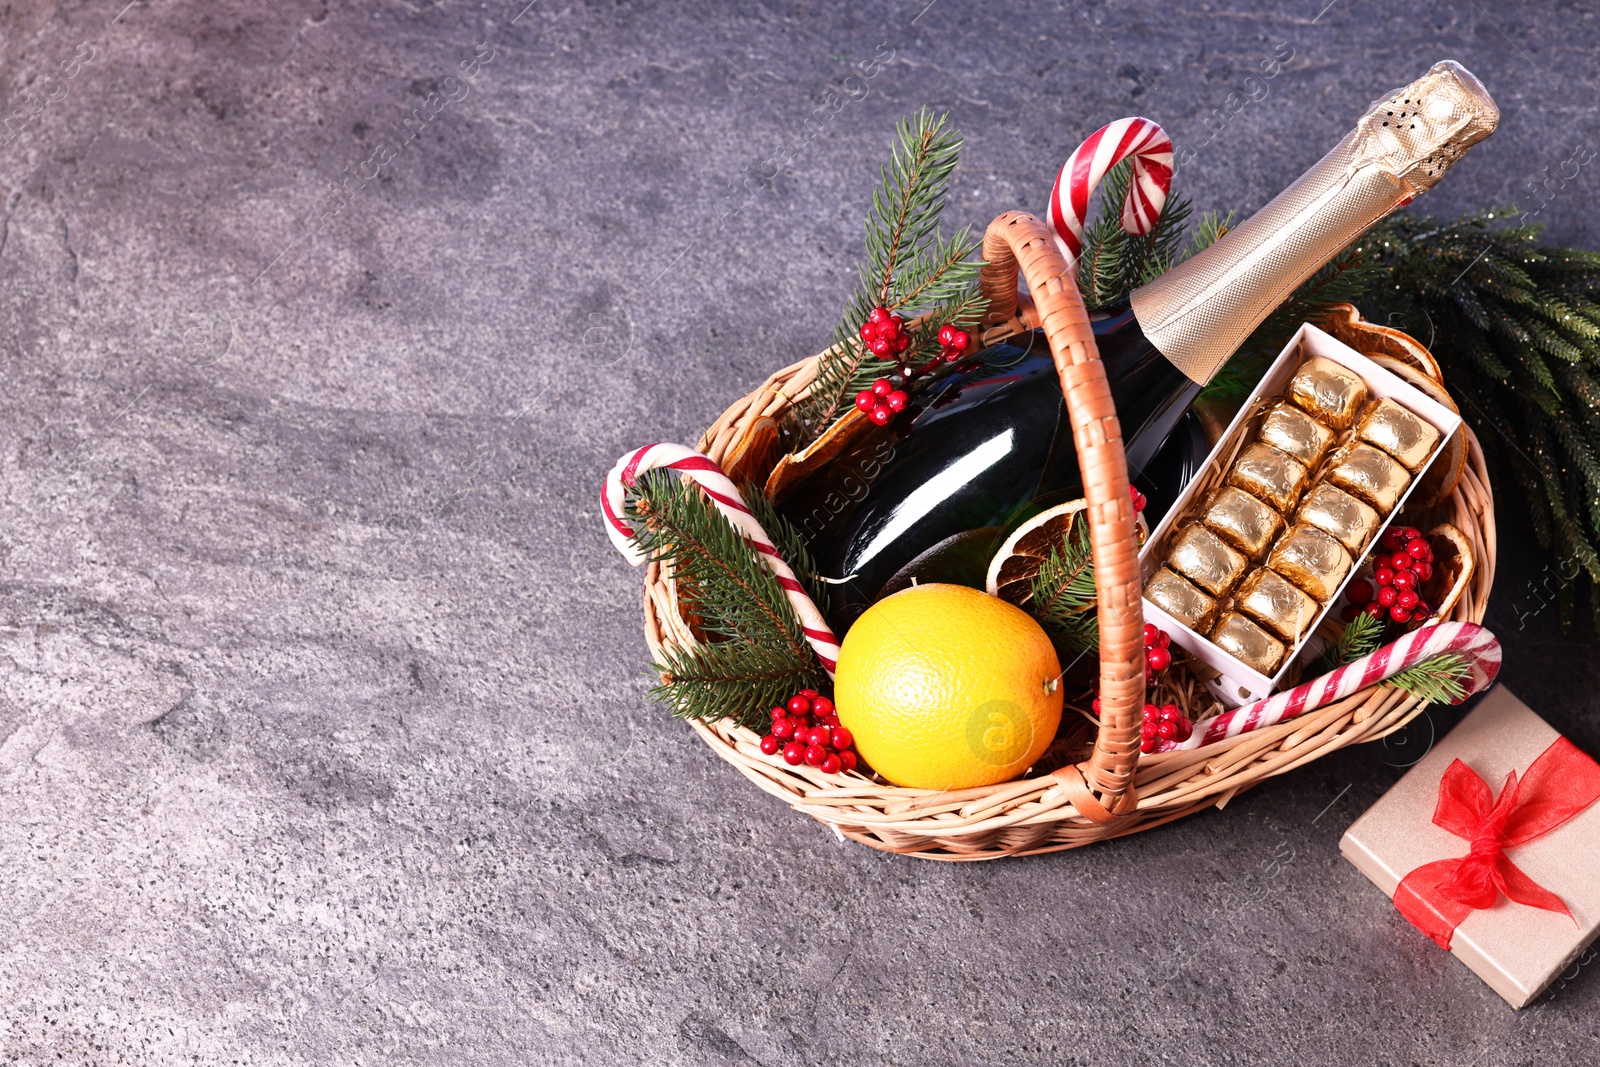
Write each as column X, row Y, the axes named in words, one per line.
column 1420, row 131
column 1198, row 313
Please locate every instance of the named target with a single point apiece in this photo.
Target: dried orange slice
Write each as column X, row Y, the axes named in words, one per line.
column 1452, row 569
column 1014, row 566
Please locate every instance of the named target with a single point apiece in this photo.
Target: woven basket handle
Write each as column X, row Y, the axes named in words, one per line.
column 1101, row 788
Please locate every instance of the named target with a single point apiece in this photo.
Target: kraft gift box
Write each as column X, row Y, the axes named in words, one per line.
column 1540, row 845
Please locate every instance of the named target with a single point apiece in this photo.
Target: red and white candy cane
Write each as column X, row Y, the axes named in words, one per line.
column 1480, row 648
column 1132, row 138
column 725, row 495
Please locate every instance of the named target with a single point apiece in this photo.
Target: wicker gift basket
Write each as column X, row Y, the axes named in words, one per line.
column 1107, row 788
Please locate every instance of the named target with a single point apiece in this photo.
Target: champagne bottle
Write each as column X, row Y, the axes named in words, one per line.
column 984, row 449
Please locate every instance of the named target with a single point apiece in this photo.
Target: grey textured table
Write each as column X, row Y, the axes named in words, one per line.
column 323, row 729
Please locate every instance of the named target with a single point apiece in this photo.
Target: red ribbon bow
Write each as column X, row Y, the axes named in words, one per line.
column 1438, row 896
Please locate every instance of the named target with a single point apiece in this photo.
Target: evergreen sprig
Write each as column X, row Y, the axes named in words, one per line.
column 910, row 268
column 789, row 542
column 1440, row 679
column 1114, row 262
column 755, row 652
column 1359, row 638
column 1208, row 231
column 1063, row 595
column 1516, row 328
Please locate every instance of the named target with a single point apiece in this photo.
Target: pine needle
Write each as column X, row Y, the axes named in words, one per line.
column 1514, row 327
column 1440, row 679
column 1359, row 638
column 1064, row 600
column 1208, row 232
column 791, row 546
column 1114, row 262
column 755, row 652
column 910, row 267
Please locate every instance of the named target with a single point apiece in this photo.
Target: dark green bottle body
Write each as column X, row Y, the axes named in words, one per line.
column 930, row 497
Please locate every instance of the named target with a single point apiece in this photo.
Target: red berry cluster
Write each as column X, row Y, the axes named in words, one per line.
column 1399, row 571
column 1157, row 651
column 952, row 343
column 1138, row 498
column 885, row 334
column 886, row 337
column 882, row 402
column 806, row 730
column 1166, row 723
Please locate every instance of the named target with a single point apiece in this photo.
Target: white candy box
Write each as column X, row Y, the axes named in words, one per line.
column 1237, row 683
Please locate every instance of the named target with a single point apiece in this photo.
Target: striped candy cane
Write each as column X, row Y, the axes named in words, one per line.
column 1479, row 646
column 1151, row 150
column 725, row 495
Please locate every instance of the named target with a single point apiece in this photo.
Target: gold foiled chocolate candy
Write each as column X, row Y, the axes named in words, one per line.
column 1334, row 511
column 1277, row 603
column 1408, row 438
column 1269, row 476
column 1206, row 560
column 1331, row 393
column 1248, row 643
column 1243, row 521
column 1178, row 597
column 1294, row 433
column 1370, row 474
column 1312, row 560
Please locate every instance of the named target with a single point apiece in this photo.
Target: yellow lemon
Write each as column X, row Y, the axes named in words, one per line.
column 945, row 687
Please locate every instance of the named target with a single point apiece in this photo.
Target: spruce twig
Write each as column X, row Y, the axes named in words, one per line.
column 791, row 546
column 755, row 652
column 1359, row 638
column 1440, row 679
column 1063, row 595
column 1208, row 232
column 910, row 268
column 1114, row 262
column 1516, row 328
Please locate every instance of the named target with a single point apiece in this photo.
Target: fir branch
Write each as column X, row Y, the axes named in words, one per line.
column 1440, row 679
column 1063, row 596
column 1359, row 638
column 737, row 680
column 755, row 652
column 1231, row 384
column 909, row 268
column 1208, row 232
column 720, row 578
column 1114, row 262
column 1163, row 246
column 937, row 273
column 1103, row 257
column 1515, row 328
column 906, row 207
